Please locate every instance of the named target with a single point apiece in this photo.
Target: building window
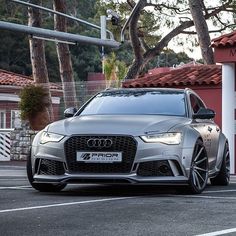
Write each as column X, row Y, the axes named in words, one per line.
column 2, row 119
column 15, row 119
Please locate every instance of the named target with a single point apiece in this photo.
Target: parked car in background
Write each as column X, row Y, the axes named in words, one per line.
column 132, row 136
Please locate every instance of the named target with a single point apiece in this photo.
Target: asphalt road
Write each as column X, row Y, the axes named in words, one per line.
column 113, row 210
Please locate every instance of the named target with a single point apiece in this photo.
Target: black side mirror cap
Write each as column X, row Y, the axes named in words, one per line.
column 69, row 112
column 204, row 113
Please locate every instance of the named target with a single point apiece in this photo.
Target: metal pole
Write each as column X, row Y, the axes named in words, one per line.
column 103, row 21
column 52, row 34
column 63, row 14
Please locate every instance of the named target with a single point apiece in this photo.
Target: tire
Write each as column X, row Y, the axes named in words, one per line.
column 223, row 176
column 40, row 186
column 198, row 176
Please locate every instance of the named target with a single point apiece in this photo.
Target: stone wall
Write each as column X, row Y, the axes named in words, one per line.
column 21, row 139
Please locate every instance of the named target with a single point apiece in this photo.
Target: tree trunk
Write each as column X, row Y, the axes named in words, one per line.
column 134, row 70
column 64, row 57
column 37, row 55
column 142, row 58
column 196, row 8
column 137, row 65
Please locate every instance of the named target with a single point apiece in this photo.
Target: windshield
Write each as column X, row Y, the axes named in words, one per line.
column 137, row 102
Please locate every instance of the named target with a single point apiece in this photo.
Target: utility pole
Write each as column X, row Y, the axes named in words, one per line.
column 53, row 35
column 103, row 21
column 56, row 35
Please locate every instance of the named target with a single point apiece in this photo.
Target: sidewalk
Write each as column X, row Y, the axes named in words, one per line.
column 12, row 163
column 12, row 169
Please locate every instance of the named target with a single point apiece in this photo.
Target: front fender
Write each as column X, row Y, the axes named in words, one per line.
column 220, row 154
column 190, row 138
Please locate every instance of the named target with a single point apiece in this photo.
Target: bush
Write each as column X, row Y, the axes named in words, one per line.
column 34, row 99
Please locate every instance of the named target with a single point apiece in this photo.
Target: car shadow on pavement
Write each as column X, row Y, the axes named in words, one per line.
column 119, row 190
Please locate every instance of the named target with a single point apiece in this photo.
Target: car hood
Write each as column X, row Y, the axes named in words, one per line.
column 118, row 124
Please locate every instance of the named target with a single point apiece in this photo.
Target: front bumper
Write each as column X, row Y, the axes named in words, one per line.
column 111, row 179
column 152, row 163
column 159, row 171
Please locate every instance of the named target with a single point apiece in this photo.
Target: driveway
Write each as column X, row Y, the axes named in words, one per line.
column 113, row 210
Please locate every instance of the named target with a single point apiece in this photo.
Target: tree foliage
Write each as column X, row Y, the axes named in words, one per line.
column 172, row 19
column 33, row 99
column 157, row 22
column 14, row 46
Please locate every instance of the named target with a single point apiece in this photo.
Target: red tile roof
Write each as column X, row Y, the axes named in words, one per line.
column 184, row 76
column 13, row 79
column 158, row 70
column 224, row 40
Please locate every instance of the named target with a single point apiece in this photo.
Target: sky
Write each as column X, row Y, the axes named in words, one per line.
column 195, row 54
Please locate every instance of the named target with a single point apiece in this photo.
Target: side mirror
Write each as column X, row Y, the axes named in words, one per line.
column 69, row 112
column 204, row 113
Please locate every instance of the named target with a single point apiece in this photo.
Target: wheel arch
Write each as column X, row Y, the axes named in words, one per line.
column 220, row 153
column 190, row 139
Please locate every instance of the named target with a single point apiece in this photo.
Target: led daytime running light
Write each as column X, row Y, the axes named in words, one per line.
column 166, row 138
column 50, row 137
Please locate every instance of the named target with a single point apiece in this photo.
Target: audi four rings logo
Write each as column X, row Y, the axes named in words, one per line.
column 99, row 143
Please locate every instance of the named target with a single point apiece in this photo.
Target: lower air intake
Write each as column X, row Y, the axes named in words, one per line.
column 51, row 167
column 154, row 168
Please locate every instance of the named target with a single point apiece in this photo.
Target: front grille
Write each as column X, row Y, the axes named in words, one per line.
column 51, row 167
column 154, row 168
column 125, row 144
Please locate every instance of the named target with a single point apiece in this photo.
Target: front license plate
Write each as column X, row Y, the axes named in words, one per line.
column 99, row 157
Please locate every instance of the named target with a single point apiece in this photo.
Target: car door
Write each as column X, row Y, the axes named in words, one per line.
column 207, row 128
column 214, row 134
column 211, row 138
column 200, row 125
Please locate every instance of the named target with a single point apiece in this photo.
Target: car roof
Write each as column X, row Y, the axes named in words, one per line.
column 121, row 90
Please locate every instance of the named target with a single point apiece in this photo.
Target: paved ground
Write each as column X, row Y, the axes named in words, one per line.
column 105, row 210
column 12, row 169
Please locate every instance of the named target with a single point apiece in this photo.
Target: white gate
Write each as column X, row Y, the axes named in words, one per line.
column 5, row 144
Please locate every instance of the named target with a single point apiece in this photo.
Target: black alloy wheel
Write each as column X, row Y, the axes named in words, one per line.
column 223, row 176
column 199, row 169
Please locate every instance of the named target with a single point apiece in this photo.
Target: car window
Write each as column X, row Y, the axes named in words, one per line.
column 137, row 102
column 196, row 103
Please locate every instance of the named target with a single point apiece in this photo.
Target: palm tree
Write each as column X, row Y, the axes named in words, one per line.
column 114, row 70
column 64, row 57
column 37, row 55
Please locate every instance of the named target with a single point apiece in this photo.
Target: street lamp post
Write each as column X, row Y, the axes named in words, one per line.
column 103, row 22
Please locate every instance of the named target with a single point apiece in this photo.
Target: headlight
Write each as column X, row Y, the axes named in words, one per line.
column 166, row 138
column 50, row 137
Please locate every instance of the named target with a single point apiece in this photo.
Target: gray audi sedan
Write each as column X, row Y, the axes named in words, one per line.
column 132, row 136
